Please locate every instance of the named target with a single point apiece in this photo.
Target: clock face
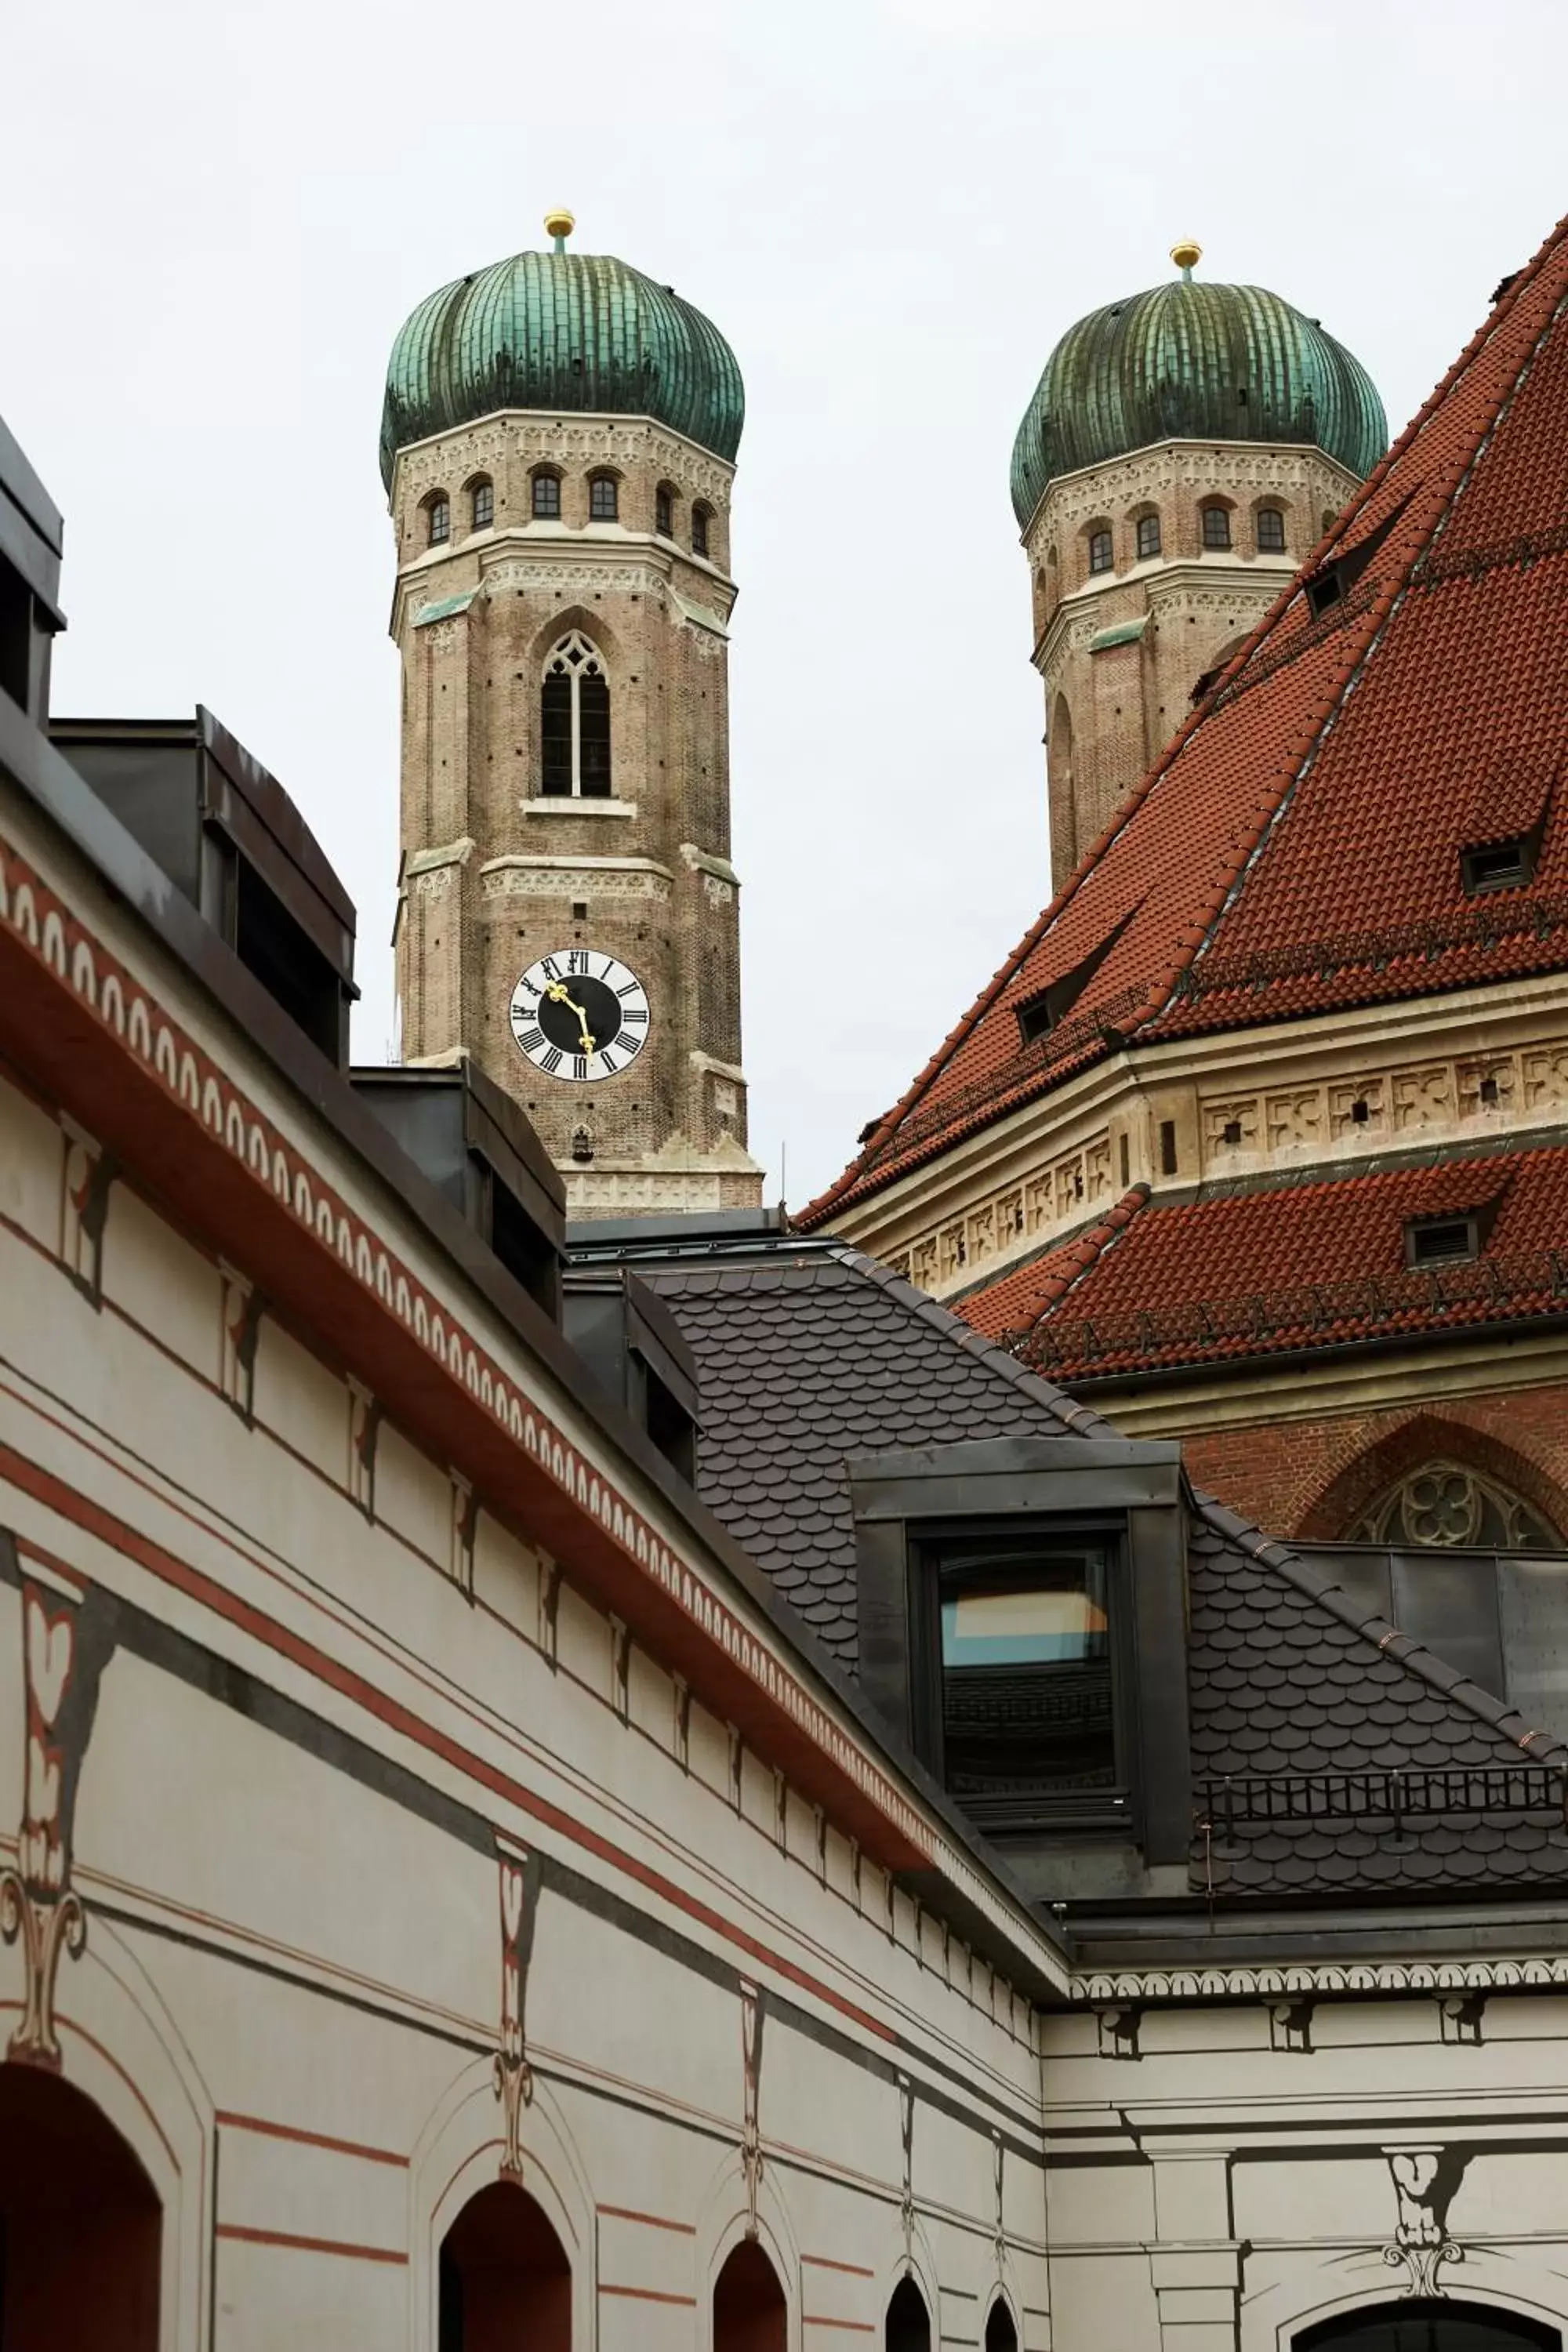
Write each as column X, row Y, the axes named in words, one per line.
column 579, row 1014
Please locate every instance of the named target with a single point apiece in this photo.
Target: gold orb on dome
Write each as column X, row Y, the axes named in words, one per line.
column 560, row 223
column 1187, row 253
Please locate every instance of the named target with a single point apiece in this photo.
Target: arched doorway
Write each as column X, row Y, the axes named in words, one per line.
column 1430, row 2326
column 1001, row 2335
column 505, row 2279
column 80, row 2224
column 907, row 2326
column 748, row 2310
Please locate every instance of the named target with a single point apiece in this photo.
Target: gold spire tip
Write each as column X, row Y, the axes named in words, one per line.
column 559, row 225
column 1187, row 253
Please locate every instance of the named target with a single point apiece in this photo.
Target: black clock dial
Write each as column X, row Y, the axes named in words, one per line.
column 584, row 1005
column 580, row 1015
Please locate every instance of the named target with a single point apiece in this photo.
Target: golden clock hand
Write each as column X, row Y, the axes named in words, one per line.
column 557, row 992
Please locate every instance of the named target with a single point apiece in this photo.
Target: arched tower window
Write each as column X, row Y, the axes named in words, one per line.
column 546, row 500
column 701, row 517
column 438, row 519
column 1001, row 2335
column 574, row 722
column 481, row 503
column 664, row 511
column 1215, row 520
column 1271, row 532
column 1148, row 537
column 604, row 497
column 1101, row 551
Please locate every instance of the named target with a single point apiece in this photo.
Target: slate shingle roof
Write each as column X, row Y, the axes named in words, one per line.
column 809, row 1356
column 1286, row 1267
column 804, row 1363
column 1249, row 877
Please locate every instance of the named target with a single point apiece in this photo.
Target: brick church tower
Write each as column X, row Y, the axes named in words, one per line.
column 1185, row 450
column 558, row 447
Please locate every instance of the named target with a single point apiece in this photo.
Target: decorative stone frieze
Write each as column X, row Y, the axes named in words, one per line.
column 1052, row 1198
column 1417, row 1102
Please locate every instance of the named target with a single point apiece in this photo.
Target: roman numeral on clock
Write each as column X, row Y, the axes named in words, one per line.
column 636, row 1013
column 577, row 959
column 579, row 1066
column 551, row 1060
column 609, row 1059
column 531, row 1040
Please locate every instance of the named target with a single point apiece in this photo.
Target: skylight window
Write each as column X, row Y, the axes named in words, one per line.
column 1500, row 866
column 1442, row 1241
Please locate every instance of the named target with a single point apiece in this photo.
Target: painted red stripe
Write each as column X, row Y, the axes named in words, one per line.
column 854, row 2327
column 649, row 2220
column 826, row 2262
column 309, row 2138
column 309, row 2245
column 80, row 1511
column 650, row 2294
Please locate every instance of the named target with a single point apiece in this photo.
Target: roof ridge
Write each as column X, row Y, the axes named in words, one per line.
column 1080, row 1419
column 1413, row 1656
column 1447, row 490
column 1087, row 1246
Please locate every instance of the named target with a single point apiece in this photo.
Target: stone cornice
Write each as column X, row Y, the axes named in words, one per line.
column 1417, row 1065
column 1316, row 1979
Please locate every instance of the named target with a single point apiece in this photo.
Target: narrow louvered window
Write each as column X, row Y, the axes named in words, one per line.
column 699, row 530
column 574, row 722
column 664, row 511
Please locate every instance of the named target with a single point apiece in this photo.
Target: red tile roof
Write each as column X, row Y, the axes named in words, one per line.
column 1286, row 1267
column 1424, row 713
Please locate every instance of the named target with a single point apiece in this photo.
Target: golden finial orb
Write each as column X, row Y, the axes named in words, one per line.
column 1187, row 253
column 559, row 224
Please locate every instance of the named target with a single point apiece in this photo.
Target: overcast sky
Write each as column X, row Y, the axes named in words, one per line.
column 219, row 215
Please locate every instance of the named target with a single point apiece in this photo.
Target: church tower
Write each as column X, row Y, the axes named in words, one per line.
column 1184, row 451
column 558, row 447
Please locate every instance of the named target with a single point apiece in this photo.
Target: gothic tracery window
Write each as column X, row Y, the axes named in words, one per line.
column 1445, row 1503
column 575, row 722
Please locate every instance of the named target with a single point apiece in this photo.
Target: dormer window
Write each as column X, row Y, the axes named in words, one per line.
column 1101, row 554
column 547, row 497
column 1271, row 532
column 1500, row 866
column 482, row 508
column 700, row 531
column 664, row 511
column 1148, row 537
column 1442, row 1241
column 1216, row 528
column 1038, row 1014
column 440, row 524
column 604, row 497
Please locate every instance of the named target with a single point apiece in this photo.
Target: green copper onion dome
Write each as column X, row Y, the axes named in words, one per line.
column 1194, row 362
column 562, row 331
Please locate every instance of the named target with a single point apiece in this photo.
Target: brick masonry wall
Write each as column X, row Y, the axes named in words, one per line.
column 1122, row 704
column 1315, row 1479
column 494, row 880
